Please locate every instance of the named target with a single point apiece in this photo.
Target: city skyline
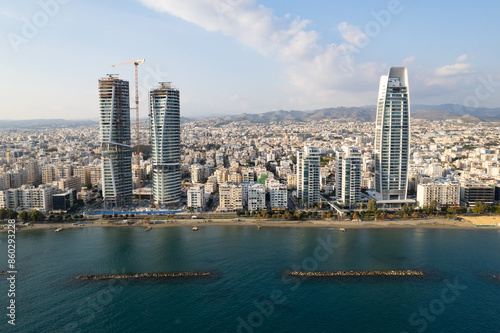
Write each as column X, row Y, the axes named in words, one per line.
column 290, row 55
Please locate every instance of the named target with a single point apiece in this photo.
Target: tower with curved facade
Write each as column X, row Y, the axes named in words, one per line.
column 165, row 144
column 392, row 138
column 114, row 121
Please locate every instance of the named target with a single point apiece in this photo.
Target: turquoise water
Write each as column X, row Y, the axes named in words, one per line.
column 249, row 291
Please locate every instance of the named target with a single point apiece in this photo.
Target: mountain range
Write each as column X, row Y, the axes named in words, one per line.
column 368, row 113
column 460, row 113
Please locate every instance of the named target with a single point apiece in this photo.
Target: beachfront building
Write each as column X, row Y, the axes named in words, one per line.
column 472, row 192
column 278, row 196
column 308, row 184
column 256, row 197
column 27, row 198
column 348, row 176
column 196, row 198
column 230, row 197
column 114, row 121
column 443, row 191
column 392, row 139
column 165, row 144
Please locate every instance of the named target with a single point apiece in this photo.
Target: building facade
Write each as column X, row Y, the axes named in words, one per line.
column 308, row 184
column 196, row 198
column 473, row 192
column 278, row 196
column 114, row 114
column 256, row 197
column 28, row 198
column 444, row 191
column 348, row 176
column 230, row 197
column 165, row 128
column 392, row 137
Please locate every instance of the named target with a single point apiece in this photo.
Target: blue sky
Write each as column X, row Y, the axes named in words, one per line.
column 235, row 56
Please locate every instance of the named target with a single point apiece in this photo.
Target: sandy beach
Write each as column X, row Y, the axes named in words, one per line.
column 410, row 223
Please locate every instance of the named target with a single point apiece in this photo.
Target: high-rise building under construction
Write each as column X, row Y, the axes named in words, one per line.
column 114, row 120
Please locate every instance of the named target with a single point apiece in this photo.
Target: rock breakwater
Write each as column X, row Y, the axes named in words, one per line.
column 144, row 275
column 357, row 273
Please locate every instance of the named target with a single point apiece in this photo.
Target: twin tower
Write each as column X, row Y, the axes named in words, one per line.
column 114, row 120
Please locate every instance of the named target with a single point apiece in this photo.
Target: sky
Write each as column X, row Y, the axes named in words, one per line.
column 253, row 56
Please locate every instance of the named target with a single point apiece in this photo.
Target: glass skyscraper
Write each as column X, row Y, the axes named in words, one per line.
column 308, row 164
column 114, row 121
column 392, row 138
column 165, row 129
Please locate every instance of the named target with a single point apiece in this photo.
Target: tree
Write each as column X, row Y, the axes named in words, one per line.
column 88, row 185
column 480, row 207
column 3, row 214
column 24, row 216
column 406, row 210
column 11, row 214
column 433, row 205
column 355, row 216
column 372, row 205
column 36, row 216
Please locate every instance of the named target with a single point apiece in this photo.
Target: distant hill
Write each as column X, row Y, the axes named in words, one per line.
column 368, row 113
column 186, row 120
column 461, row 113
column 364, row 113
column 44, row 123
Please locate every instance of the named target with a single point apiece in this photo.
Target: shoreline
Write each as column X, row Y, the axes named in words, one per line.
column 431, row 223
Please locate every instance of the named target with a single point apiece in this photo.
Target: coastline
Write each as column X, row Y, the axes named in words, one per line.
column 430, row 223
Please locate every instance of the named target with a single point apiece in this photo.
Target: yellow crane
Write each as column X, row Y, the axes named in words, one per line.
column 136, row 63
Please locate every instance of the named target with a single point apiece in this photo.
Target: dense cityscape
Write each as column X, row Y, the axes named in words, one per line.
column 215, row 165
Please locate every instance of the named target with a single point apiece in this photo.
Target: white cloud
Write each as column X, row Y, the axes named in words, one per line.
column 320, row 75
column 409, row 60
column 314, row 69
column 352, row 34
column 452, row 70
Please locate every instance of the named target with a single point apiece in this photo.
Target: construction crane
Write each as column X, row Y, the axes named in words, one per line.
column 136, row 63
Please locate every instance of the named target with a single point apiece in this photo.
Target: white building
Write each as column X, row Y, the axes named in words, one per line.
column 308, row 184
column 278, row 196
column 256, row 197
column 348, row 176
column 196, row 198
column 392, row 138
column 114, row 112
column 165, row 144
column 28, row 198
column 444, row 191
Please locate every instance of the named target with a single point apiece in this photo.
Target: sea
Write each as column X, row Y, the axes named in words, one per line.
column 249, row 289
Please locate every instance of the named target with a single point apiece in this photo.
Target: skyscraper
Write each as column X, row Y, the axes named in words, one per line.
column 165, row 129
column 392, row 138
column 114, row 114
column 348, row 176
column 308, row 163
